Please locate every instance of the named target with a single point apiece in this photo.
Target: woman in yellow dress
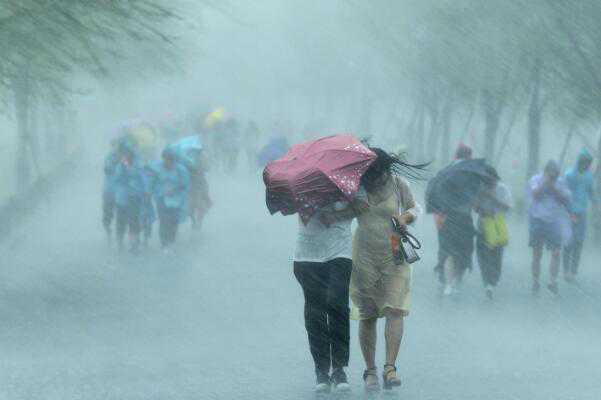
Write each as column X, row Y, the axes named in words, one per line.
column 379, row 287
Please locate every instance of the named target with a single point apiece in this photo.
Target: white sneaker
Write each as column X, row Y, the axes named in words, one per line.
column 448, row 290
column 339, row 381
column 322, row 388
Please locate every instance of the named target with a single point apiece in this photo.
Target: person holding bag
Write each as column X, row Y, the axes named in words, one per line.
column 379, row 287
column 492, row 236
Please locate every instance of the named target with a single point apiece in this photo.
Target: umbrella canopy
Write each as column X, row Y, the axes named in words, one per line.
column 187, row 149
column 316, row 173
column 215, row 117
column 457, row 185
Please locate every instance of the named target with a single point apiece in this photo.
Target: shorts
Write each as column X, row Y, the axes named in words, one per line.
column 544, row 233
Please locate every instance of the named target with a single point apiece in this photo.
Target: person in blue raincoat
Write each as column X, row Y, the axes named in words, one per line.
column 108, row 193
column 147, row 212
column 130, row 189
column 171, row 188
column 580, row 182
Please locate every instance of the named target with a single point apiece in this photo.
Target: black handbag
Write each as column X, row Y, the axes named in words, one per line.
column 407, row 245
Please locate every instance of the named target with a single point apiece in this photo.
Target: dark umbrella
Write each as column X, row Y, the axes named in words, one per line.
column 316, row 173
column 457, row 185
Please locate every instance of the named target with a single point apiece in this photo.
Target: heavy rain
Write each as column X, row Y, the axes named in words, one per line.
column 300, row 199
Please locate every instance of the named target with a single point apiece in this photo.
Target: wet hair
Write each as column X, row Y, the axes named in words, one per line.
column 389, row 164
column 463, row 152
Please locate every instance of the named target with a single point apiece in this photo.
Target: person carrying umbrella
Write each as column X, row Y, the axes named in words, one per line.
column 548, row 221
column 129, row 193
column 318, row 180
column 170, row 187
column 451, row 195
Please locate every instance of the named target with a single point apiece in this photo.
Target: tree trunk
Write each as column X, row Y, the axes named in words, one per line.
column 419, row 135
column 492, row 114
column 21, row 91
column 447, row 120
column 566, row 146
column 597, row 208
column 534, row 122
column 434, row 134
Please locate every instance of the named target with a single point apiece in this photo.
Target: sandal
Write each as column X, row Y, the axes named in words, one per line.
column 389, row 377
column 370, row 377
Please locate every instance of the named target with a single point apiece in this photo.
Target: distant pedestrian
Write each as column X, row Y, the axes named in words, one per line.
column 455, row 237
column 108, row 193
column 548, row 220
column 252, row 136
column 492, row 236
column 580, row 182
column 171, row 188
column 129, row 194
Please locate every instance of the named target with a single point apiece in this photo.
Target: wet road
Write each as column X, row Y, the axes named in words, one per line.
column 222, row 319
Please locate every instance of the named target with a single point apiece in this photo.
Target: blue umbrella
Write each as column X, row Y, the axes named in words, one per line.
column 187, row 149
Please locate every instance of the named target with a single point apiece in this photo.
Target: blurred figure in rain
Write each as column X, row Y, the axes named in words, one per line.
column 227, row 144
column 200, row 199
column 171, row 192
column 252, row 136
column 147, row 212
column 108, row 194
column 231, row 143
column 129, row 195
column 580, row 182
column 379, row 287
column 549, row 223
column 276, row 148
column 492, row 204
column 455, row 237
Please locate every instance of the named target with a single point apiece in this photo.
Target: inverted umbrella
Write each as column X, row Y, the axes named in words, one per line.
column 457, row 185
column 316, row 173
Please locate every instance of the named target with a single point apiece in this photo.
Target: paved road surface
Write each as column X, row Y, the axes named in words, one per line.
column 223, row 318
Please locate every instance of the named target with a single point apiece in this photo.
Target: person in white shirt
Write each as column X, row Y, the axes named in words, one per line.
column 322, row 266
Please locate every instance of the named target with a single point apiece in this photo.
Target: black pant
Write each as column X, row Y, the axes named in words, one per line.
column 573, row 251
column 490, row 261
column 128, row 217
column 326, row 290
column 168, row 224
column 108, row 210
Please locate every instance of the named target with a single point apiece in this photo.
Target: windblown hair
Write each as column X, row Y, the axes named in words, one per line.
column 390, row 164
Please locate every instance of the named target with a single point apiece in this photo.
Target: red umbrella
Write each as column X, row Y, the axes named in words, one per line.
column 316, row 173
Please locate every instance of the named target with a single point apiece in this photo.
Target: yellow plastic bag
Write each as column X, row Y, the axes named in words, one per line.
column 494, row 230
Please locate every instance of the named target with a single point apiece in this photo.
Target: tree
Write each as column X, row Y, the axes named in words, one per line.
column 46, row 44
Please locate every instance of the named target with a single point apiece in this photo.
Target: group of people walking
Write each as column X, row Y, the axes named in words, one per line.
column 331, row 264
column 557, row 218
column 458, row 237
column 136, row 191
column 557, row 205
